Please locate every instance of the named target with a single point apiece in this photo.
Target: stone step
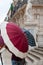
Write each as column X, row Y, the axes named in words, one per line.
column 38, row 52
column 31, row 53
column 39, row 57
column 35, row 55
column 29, row 59
column 35, row 59
column 40, row 49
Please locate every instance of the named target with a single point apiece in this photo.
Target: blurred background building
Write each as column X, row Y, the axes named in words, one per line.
column 32, row 20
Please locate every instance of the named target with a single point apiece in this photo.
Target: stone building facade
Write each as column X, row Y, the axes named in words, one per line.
column 34, row 24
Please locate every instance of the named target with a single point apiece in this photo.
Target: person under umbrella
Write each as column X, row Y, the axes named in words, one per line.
column 5, row 55
column 1, row 49
column 16, row 41
column 1, row 45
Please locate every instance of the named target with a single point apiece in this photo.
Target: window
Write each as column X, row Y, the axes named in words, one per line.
column 36, row 16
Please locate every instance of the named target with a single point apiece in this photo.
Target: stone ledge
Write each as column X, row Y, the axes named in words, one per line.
column 31, row 23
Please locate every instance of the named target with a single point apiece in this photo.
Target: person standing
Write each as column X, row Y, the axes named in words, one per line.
column 16, row 41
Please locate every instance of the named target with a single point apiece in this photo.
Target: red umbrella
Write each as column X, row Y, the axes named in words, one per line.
column 1, row 42
column 15, row 39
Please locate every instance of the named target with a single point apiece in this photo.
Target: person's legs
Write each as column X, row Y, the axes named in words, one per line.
column 21, row 62
column 18, row 62
column 14, row 62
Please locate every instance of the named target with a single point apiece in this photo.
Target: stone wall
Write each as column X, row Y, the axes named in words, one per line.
column 36, row 24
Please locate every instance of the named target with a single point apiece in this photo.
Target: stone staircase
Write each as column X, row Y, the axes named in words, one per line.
column 35, row 56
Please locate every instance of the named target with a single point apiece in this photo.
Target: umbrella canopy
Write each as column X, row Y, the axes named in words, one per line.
column 31, row 40
column 15, row 39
